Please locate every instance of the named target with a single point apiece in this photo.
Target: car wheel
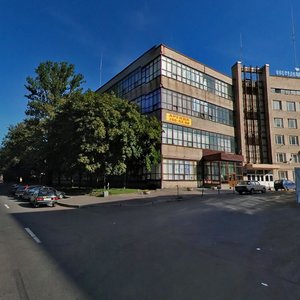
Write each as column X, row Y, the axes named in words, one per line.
column 52, row 204
column 35, row 204
column 276, row 190
column 240, row 193
column 251, row 191
column 263, row 191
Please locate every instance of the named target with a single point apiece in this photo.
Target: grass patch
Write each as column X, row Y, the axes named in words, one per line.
column 113, row 191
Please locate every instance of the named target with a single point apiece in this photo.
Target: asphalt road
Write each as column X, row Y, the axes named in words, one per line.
column 218, row 247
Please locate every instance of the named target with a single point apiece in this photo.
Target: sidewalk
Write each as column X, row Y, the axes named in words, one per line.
column 138, row 199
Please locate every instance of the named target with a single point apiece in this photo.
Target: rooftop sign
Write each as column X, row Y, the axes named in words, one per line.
column 295, row 73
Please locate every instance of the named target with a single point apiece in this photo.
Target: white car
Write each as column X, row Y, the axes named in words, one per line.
column 250, row 187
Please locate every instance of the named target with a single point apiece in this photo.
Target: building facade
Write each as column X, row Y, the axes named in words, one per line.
column 216, row 129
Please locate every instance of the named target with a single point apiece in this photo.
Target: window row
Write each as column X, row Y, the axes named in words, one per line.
column 150, row 102
column 282, row 158
column 290, row 105
column 196, row 138
column 280, row 140
column 174, row 101
column 285, row 91
column 292, row 123
column 137, row 77
column 179, row 169
column 183, row 73
column 195, row 107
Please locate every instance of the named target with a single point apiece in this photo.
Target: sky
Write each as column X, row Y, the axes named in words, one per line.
column 85, row 32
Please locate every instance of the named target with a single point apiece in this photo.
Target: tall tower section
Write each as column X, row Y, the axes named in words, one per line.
column 252, row 114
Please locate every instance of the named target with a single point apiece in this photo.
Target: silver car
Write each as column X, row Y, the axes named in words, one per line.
column 250, row 187
column 44, row 195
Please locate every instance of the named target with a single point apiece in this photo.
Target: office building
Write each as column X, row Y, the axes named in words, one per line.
column 216, row 129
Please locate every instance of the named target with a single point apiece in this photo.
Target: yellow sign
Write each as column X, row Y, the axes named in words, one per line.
column 178, row 119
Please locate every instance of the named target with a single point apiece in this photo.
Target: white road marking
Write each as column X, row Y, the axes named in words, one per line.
column 6, row 205
column 264, row 284
column 33, row 235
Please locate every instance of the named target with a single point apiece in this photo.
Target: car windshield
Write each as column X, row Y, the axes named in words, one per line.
column 244, row 182
column 46, row 193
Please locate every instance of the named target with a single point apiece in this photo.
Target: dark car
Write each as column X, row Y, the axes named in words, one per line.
column 29, row 191
column 44, row 195
column 21, row 190
column 284, row 184
column 14, row 187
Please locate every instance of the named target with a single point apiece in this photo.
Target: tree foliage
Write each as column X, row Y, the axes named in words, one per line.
column 67, row 131
column 53, row 84
column 108, row 134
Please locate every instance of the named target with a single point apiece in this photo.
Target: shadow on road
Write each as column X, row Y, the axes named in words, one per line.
column 197, row 248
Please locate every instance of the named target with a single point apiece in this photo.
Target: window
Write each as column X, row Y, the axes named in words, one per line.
column 293, row 140
column 279, row 139
column 285, row 92
column 295, row 157
column 182, row 136
column 179, row 169
column 281, row 157
column 291, row 106
column 278, row 122
column 183, row 73
column 277, row 104
column 150, row 102
column 283, row 174
column 292, row 123
column 195, row 107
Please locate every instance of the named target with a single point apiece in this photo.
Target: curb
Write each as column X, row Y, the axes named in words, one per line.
column 126, row 202
column 146, row 201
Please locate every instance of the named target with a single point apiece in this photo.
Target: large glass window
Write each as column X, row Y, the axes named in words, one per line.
column 183, row 73
column 179, row 169
column 195, row 107
column 216, row 172
column 150, row 102
column 137, row 77
column 285, row 92
column 152, row 70
column 196, row 138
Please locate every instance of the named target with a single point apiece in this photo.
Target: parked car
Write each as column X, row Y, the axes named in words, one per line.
column 28, row 192
column 21, row 190
column 250, row 187
column 14, row 187
column 284, row 184
column 44, row 195
column 60, row 194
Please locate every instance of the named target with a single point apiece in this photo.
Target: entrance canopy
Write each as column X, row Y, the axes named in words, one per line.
column 261, row 167
column 209, row 155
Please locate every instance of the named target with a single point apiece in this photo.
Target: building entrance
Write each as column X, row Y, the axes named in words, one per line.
column 220, row 168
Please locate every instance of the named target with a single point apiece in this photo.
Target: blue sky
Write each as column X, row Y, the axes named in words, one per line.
column 81, row 31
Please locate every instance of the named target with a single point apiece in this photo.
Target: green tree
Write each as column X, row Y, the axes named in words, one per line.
column 19, row 153
column 54, row 84
column 113, row 135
